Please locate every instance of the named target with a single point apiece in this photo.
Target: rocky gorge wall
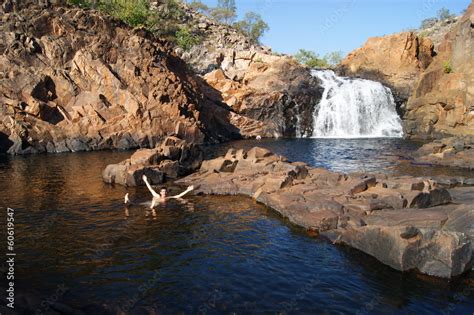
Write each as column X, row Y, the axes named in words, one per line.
column 251, row 79
column 442, row 102
column 74, row 79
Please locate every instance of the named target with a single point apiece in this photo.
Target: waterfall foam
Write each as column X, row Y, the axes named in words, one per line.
column 354, row 108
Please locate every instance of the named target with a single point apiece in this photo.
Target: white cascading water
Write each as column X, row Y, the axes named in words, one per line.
column 354, row 108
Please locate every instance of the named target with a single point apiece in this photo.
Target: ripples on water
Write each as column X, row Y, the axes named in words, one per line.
column 211, row 254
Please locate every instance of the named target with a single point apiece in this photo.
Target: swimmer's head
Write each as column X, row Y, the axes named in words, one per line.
column 163, row 192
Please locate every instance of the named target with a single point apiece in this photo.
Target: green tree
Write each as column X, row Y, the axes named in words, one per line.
column 311, row 59
column 429, row 22
column 334, row 57
column 444, row 14
column 225, row 12
column 167, row 19
column 197, row 5
column 252, row 26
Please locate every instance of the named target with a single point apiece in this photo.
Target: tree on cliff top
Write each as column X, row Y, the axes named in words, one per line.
column 253, row 26
column 444, row 14
column 310, row 59
column 197, row 5
column 225, row 12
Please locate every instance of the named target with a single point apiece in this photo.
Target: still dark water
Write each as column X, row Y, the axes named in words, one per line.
column 208, row 255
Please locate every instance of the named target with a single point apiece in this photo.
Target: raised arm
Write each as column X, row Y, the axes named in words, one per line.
column 154, row 193
column 183, row 193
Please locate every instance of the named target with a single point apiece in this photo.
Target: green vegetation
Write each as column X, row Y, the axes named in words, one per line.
column 167, row 19
column 253, row 26
column 423, row 34
column 334, row 57
column 443, row 14
column 427, row 23
column 225, row 12
column 164, row 21
column 134, row 13
column 312, row 59
column 447, row 67
column 186, row 39
column 82, row 3
column 198, row 6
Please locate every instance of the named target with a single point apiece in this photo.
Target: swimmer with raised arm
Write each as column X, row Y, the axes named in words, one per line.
column 159, row 197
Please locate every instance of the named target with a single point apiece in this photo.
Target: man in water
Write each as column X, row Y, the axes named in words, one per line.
column 159, row 197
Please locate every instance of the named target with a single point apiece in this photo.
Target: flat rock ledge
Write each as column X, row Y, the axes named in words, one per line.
column 406, row 223
column 453, row 151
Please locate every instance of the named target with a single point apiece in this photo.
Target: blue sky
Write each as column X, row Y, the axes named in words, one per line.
column 338, row 25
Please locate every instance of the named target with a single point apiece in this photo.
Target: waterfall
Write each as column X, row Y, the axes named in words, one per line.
column 354, row 108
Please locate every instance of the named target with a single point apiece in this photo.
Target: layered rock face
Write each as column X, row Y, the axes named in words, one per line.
column 73, row 80
column 395, row 60
column 405, row 222
column 443, row 100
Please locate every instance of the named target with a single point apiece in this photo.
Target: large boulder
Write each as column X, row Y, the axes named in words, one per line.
column 429, row 251
column 169, row 160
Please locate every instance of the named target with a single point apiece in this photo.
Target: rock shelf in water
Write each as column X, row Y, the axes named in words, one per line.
column 454, row 151
column 405, row 222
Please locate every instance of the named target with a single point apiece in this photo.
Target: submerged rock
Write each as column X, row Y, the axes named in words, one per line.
column 402, row 220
